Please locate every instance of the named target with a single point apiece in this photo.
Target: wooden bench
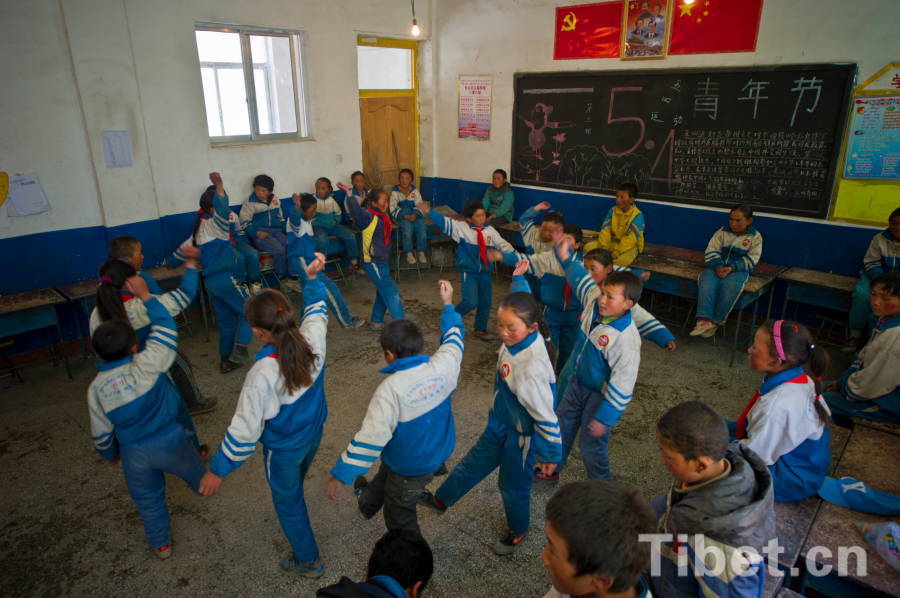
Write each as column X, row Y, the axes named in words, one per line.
column 813, row 287
column 33, row 310
column 870, row 456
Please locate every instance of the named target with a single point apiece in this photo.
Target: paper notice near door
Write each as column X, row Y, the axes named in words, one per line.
column 26, row 196
column 117, row 149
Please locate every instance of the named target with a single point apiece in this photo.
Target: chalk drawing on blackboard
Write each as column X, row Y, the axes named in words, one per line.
column 532, row 157
column 589, row 166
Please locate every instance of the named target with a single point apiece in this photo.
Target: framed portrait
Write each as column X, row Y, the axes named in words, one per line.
column 645, row 29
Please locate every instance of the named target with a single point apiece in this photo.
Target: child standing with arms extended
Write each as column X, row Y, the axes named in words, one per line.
column 262, row 219
column 404, row 199
column 375, row 224
column 282, row 405
column 521, row 424
column 786, row 421
column 328, row 222
column 220, row 263
column 622, row 231
column 409, row 423
column 475, row 240
column 731, row 255
column 498, row 200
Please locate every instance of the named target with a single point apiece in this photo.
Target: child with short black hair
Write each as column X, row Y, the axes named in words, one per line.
column 135, row 413
column 870, row 388
column 301, row 252
column 722, row 492
column 262, row 219
column 130, row 250
column 730, row 256
column 401, row 565
column 409, row 422
column 882, row 256
column 327, row 222
column 498, row 200
column 539, row 238
column 593, row 540
column 411, row 220
column 786, row 421
column 622, row 231
column 475, row 239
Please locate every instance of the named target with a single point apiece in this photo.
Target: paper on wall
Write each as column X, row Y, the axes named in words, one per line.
column 26, row 196
column 117, row 149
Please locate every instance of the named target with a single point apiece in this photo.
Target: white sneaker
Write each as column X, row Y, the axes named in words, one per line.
column 357, row 323
column 423, row 259
column 291, row 285
column 255, row 287
column 703, row 327
column 710, row 331
column 410, row 259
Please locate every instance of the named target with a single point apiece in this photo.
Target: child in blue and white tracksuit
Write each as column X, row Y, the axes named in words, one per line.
column 476, row 268
column 222, row 268
column 409, row 425
column 413, row 231
column 289, row 426
column 328, row 222
column 301, row 252
column 521, row 429
column 261, row 216
column 135, row 414
column 247, row 251
column 883, row 255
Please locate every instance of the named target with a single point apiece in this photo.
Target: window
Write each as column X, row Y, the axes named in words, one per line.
column 252, row 83
column 384, row 68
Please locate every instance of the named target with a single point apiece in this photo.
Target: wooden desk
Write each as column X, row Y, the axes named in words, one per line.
column 870, row 456
column 81, row 294
column 161, row 273
column 33, row 310
column 813, row 287
column 697, row 257
column 448, row 212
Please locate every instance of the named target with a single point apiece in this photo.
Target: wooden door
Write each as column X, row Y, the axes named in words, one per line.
column 388, row 137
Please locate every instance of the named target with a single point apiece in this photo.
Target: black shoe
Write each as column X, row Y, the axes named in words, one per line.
column 226, row 365
column 205, row 407
column 508, row 543
column 359, row 484
column 442, row 470
column 239, row 355
column 427, row 499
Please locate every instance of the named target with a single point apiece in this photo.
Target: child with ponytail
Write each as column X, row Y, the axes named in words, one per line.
column 282, row 405
column 786, row 421
column 522, row 428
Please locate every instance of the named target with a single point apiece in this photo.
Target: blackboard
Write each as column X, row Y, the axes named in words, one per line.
column 766, row 136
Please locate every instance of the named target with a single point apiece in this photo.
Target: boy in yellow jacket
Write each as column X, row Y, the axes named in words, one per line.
column 622, row 231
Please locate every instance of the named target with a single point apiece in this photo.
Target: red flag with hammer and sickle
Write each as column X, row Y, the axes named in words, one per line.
column 588, row 31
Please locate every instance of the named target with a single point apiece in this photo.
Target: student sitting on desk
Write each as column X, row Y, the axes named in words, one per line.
column 498, row 200
column 622, row 231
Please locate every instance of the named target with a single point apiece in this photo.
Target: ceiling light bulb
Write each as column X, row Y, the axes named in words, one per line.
column 415, row 29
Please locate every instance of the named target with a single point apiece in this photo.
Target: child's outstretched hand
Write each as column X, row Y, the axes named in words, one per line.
column 544, row 205
column 343, row 187
column 138, row 287
column 334, row 488
column 521, row 267
column 446, row 292
column 216, row 179
column 209, row 484
column 423, row 206
column 315, row 266
column 562, row 246
column 671, row 346
column 597, row 429
column 646, row 275
column 296, row 199
column 494, row 255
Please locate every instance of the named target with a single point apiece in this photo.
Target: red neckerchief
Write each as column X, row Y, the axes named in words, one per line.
column 482, row 246
column 273, row 355
column 741, row 427
column 385, row 223
column 125, row 296
column 567, row 294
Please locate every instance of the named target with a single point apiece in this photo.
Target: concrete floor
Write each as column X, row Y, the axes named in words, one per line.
column 69, row 526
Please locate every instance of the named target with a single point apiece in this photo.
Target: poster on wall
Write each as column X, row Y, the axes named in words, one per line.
column 873, row 142
column 644, row 29
column 474, row 107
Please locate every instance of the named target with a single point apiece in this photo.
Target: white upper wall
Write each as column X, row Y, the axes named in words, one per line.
column 502, row 37
column 133, row 64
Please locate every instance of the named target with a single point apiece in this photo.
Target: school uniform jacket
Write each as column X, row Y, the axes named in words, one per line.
column 238, row 234
column 403, row 204
column 786, row 431
column 409, row 423
column 328, row 212
column 875, row 373
column 301, row 238
column 213, row 238
column 546, row 266
column 531, row 232
column 741, row 252
column 174, row 302
column 376, row 244
column 607, row 356
column 265, row 412
column 622, row 231
column 259, row 214
column 468, row 258
column 131, row 400
column 883, row 255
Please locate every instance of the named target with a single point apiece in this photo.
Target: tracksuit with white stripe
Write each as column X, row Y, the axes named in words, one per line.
column 409, row 425
column 601, row 373
column 248, row 252
column 222, row 268
column 475, row 269
column 135, row 413
column 521, row 429
column 260, row 217
column 883, row 255
column 301, row 252
column 531, row 236
column 327, row 221
column 289, row 426
column 716, row 296
column 414, row 234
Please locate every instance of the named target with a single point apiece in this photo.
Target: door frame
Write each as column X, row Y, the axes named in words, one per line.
column 386, row 42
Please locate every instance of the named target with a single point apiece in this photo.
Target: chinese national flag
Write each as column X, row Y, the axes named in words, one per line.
column 588, row 31
column 709, row 26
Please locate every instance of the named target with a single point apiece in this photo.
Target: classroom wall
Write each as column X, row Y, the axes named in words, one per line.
column 502, row 37
column 74, row 68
